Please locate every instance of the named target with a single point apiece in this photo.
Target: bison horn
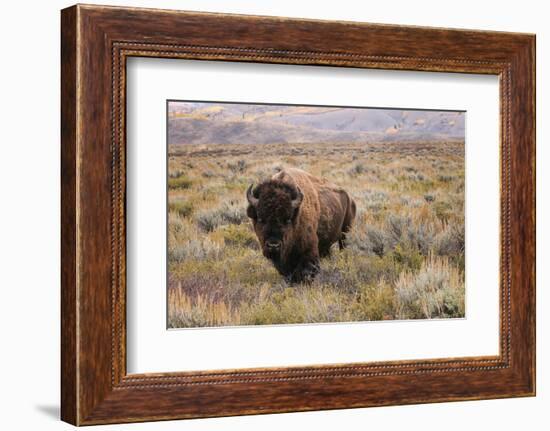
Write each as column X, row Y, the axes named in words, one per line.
column 298, row 200
column 250, row 196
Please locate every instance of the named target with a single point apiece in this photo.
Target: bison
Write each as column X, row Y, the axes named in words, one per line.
column 297, row 217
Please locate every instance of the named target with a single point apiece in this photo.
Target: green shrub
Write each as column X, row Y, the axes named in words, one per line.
column 445, row 178
column 408, row 257
column 443, row 210
column 375, row 302
column 357, row 169
column 181, row 182
column 181, row 208
column 238, row 236
column 374, row 269
column 298, row 305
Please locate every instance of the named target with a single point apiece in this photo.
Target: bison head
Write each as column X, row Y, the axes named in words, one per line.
column 273, row 208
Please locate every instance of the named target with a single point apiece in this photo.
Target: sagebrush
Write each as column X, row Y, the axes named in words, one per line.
column 405, row 254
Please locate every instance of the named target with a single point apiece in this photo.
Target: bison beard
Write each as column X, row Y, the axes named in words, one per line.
column 297, row 217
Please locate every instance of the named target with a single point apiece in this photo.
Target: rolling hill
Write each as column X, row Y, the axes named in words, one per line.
column 224, row 123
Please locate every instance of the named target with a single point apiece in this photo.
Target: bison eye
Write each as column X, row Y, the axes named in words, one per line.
column 288, row 221
column 260, row 220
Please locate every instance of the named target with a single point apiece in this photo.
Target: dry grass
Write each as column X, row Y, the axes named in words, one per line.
column 405, row 258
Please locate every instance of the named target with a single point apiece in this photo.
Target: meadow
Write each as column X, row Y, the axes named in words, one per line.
column 405, row 254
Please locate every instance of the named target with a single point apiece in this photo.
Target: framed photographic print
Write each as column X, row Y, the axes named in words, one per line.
column 266, row 215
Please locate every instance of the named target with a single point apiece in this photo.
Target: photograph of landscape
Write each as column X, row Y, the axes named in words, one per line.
column 298, row 214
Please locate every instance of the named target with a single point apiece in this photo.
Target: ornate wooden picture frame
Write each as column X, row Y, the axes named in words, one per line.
column 96, row 41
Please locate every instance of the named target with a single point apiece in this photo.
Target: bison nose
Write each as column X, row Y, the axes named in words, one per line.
column 273, row 244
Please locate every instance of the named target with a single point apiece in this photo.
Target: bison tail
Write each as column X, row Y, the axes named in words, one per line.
column 351, row 209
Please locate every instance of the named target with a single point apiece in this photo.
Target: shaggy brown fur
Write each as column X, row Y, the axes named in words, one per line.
column 297, row 217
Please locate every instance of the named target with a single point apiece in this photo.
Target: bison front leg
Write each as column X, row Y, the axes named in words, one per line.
column 307, row 269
